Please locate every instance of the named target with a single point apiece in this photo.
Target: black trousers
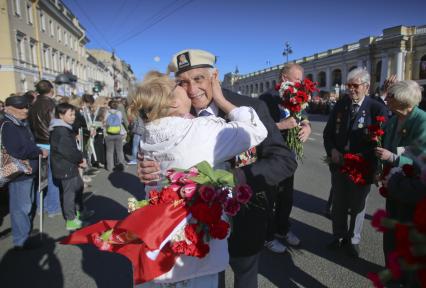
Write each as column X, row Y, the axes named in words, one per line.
column 280, row 208
column 71, row 196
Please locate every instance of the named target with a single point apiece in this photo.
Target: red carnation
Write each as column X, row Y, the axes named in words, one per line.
column 408, row 170
column 277, row 86
column 167, row 195
column 380, row 119
column 179, row 247
column 154, row 197
column 403, row 244
column 376, row 222
column 394, row 266
column 374, row 277
column 420, row 216
column 192, row 235
column 201, row 250
column 219, row 230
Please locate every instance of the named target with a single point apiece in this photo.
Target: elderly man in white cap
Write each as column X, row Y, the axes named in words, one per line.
column 264, row 166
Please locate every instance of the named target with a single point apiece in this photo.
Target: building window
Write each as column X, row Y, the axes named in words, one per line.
column 20, row 47
column 61, row 63
column 322, row 79
column 422, row 74
column 17, row 6
column 268, row 85
column 46, row 56
column 66, row 38
column 59, row 33
column 71, row 43
column 52, row 28
column 33, row 52
column 55, row 60
column 43, row 21
column 274, row 83
column 337, row 77
column 29, row 14
column 261, row 87
column 378, row 71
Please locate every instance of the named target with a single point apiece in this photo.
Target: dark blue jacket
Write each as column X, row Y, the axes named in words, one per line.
column 340, row 130
column 19, row 142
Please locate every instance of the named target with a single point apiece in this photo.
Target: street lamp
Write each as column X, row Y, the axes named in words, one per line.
column 287, row 50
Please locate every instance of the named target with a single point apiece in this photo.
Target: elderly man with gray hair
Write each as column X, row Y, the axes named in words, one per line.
column 347, row 132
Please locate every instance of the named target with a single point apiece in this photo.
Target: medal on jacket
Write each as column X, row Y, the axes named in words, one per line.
column 245, row 158
column 361, row 122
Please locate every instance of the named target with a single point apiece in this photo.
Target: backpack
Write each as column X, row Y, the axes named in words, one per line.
column 113, row 124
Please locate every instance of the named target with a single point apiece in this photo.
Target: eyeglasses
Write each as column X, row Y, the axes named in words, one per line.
column 354, row 85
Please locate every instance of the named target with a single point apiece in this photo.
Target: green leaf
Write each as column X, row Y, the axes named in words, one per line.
column 202, row 179
column 224, row 177
column 205, row 168
column 105, row 236
column 143, row 203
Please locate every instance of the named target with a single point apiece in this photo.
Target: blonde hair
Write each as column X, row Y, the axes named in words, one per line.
column 152, row 97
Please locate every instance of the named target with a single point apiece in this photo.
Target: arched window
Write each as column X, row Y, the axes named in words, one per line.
column 261, row 87
column 268, row 85
column 321, row 79
column 247, row 90
column 256, row 88
column 378, row 71
column 251, row 88
column 337, row 77
column 422, row 71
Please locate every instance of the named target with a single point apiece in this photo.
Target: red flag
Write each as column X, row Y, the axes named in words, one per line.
column 152, row 224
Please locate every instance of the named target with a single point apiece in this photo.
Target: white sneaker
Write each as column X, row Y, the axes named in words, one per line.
column 275, row 246
column 292, row 239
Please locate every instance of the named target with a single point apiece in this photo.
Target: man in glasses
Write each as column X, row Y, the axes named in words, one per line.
column 347, row 132
column 264, row 167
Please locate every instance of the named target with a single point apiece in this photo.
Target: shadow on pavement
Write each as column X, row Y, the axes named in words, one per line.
column 105, row 268
column 281, row 271
column 32, row 268
column 128, row 182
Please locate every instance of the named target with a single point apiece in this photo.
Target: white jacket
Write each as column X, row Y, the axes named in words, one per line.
column 177, row 142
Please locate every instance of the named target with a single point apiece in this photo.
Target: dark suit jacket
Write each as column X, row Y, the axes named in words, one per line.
column 340, row 130
column 275, row 162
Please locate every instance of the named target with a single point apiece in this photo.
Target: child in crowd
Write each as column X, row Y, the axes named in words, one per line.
column 65, row 160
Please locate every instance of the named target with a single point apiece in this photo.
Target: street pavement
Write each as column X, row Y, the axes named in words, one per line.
column 310, row 265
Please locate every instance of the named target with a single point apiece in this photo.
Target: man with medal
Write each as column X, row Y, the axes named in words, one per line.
column 347, row 132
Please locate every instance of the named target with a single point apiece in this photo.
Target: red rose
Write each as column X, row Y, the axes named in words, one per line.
column 420, row 216
column 207, row 193
column 219, row 230
column 175, row 176
column 244, row 193
column 376, row 222
column 222, row 194
column 374, row 277
column 189, row 190
column 380, row 132
column 231, row 206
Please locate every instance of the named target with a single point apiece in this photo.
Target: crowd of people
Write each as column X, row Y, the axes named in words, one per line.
column 180, row 121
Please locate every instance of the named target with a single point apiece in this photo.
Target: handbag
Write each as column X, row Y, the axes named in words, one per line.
column 11, row 167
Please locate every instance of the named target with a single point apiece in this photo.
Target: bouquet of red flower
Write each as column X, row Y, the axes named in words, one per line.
column 410, row 252
column 355, row 167
column 406, row 170
column 295, row 97
column 180, row 219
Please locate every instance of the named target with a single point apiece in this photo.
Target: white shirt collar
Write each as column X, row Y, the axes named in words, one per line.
column 360, row 102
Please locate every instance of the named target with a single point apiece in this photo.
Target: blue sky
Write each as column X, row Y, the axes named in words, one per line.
column 249, row 34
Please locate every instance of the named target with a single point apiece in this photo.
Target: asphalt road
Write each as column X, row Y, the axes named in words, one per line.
column 311, row 265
